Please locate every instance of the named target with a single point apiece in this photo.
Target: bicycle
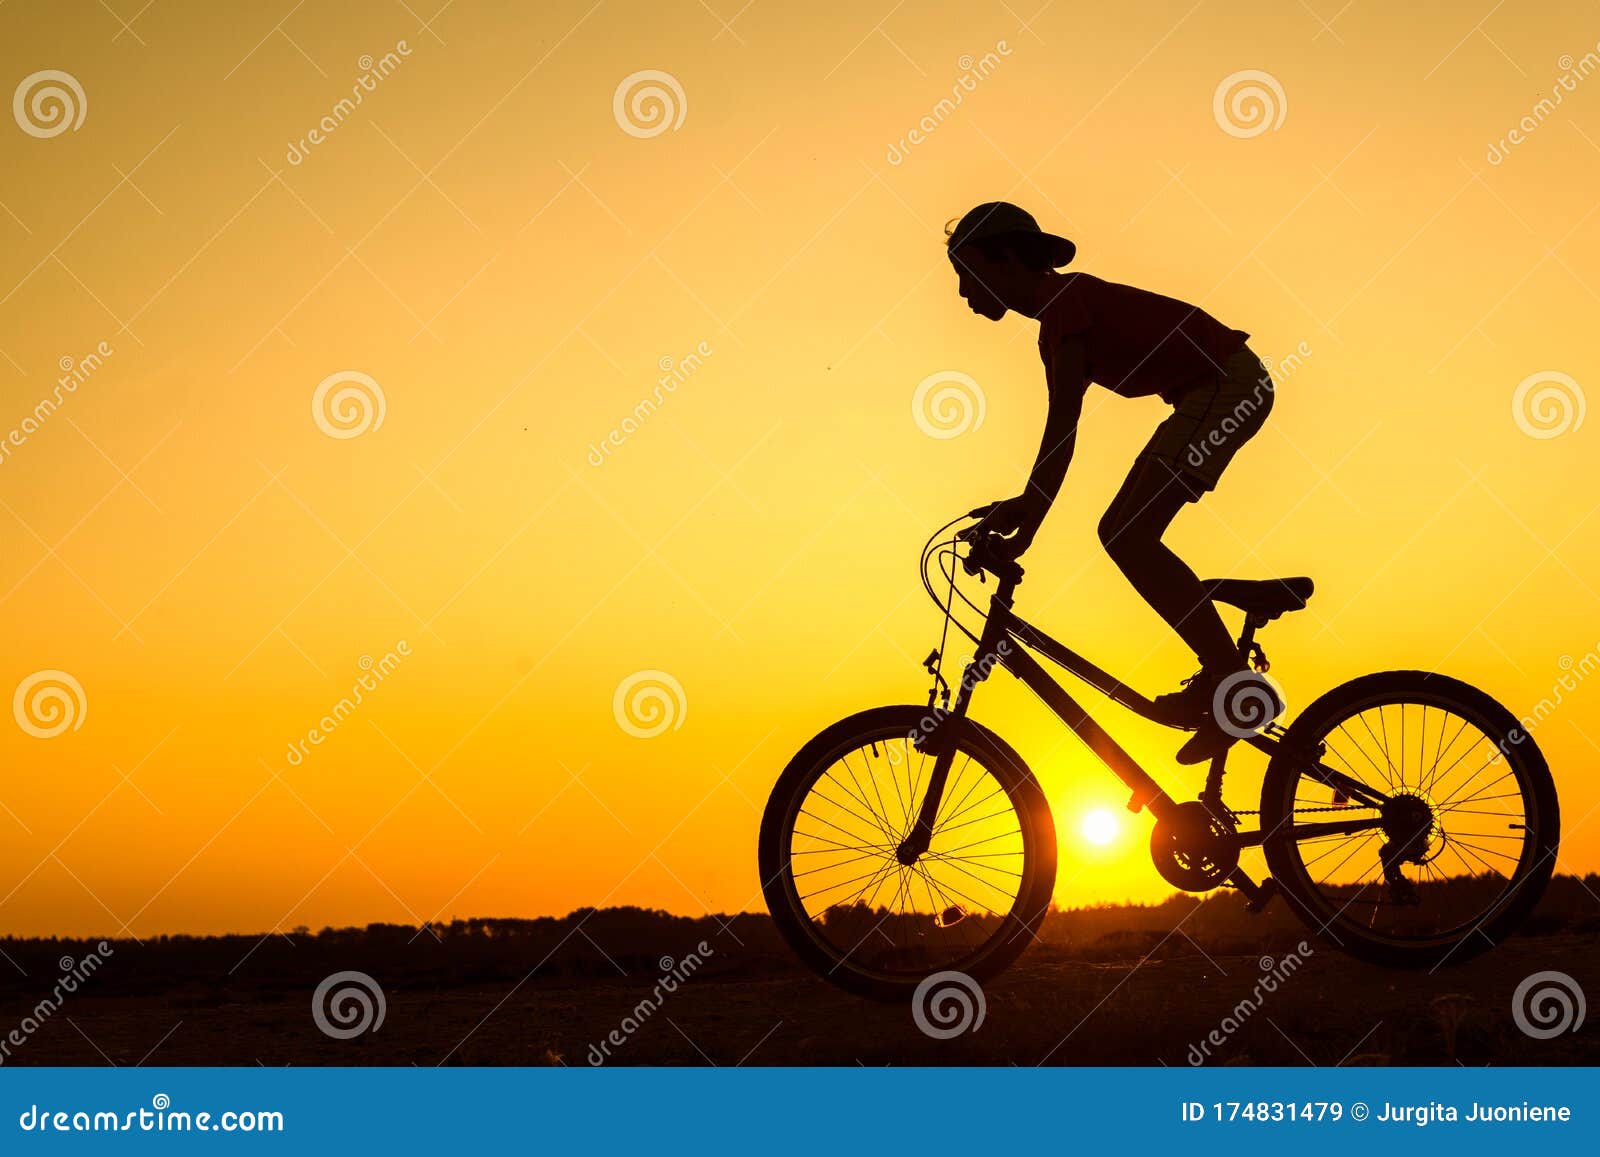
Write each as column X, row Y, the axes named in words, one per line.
column 880, row 870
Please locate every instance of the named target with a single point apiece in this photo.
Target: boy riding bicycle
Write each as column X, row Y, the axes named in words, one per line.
column 1135, row 343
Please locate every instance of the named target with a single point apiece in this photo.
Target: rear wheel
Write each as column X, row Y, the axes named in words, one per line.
column 1457, row 855
column 844, row 901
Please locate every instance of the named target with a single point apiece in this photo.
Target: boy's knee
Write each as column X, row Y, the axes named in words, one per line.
column 1113, row 532
column 1108, row 529
column 1123, row 537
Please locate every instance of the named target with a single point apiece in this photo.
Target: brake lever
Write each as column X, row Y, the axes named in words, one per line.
column 971, row 564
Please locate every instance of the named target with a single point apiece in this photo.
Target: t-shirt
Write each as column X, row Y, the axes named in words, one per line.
column 1136, row 343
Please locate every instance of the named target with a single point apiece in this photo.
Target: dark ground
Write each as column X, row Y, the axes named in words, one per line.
column 1111, row 986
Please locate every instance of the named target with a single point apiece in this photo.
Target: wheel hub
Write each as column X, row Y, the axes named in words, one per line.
column 1409, row 826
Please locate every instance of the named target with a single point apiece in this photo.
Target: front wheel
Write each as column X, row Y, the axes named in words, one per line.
column 1459, row 850
column 843, row 899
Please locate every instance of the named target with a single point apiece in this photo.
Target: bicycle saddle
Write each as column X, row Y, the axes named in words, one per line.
column 1268, row 598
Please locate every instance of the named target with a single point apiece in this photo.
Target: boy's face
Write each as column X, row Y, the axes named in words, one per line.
column 990, row 285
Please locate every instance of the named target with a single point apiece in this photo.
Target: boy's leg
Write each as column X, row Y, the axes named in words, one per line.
column 1131, row 532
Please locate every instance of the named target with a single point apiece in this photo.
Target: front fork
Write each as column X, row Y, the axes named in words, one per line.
column 992, row 645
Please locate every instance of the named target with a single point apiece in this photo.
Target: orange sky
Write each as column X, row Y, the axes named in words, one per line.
column 482, row 239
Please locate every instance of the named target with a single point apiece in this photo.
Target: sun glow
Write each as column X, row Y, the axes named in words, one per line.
column 1100, row 826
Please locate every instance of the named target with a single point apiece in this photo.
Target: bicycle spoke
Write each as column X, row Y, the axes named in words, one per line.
column 985, row 840
column 974, row 804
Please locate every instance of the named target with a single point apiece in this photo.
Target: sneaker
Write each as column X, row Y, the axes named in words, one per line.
column 1240, row 704
column 1190, row 705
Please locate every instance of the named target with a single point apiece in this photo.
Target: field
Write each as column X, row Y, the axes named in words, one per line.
column 1174, row 984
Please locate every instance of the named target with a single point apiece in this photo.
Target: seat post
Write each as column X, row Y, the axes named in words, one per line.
column 1247, row 637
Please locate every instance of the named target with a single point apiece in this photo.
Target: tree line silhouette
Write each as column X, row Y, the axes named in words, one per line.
column 630, row 944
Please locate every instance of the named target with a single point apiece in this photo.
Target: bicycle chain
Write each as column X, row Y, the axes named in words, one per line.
column 1257, row 811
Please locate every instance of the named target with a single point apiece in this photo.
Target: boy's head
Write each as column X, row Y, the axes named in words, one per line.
column 1000, row 254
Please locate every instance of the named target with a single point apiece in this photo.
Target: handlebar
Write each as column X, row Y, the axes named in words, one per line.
column 984, row 555
column 981, row 553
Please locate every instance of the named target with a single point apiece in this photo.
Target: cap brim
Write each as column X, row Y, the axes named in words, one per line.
column 1060, row 249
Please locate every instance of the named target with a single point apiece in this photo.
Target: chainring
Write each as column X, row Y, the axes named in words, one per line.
column 1193, row 849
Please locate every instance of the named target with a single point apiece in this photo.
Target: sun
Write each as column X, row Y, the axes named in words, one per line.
column 1100, row 826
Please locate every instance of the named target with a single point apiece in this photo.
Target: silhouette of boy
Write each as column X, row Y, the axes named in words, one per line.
column 1134, row 343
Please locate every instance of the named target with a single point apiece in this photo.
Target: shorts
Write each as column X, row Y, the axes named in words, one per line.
column 1211, row 420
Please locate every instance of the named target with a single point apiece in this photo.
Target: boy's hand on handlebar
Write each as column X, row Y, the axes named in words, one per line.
column 1007, row 527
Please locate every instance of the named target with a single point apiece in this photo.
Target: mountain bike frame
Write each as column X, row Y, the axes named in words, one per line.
column 1006, row 641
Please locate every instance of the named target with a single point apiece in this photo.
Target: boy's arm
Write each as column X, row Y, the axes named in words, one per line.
column 1023, row 514
column 1060, row 427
